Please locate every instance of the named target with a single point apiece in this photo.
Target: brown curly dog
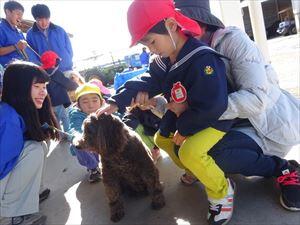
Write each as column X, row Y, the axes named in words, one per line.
column 126, row 162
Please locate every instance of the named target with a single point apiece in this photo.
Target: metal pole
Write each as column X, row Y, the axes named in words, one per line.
column 296, row 11
column 258, row 27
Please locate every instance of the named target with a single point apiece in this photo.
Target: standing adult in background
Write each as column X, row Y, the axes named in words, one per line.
column 144, row 57
column 44, row 36
column 12, row 42
column 24, row 108
column 269, row 116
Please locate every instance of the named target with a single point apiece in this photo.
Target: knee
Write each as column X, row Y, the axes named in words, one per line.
column 186, row 157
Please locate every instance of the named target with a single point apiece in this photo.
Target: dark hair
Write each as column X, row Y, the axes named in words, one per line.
column 17, row 82
column 13, row 5
column 40, row 11
column 159, row 28
column 208, row 27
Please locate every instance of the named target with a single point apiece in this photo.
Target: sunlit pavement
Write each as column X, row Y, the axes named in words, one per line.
column 74, row 201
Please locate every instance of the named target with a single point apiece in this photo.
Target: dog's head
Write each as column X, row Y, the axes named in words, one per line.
column 104, row 134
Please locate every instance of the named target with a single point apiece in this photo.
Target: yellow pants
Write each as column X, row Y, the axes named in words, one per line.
column 192, row 156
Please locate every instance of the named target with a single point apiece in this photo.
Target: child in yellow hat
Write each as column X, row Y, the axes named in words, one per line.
column 89, row 100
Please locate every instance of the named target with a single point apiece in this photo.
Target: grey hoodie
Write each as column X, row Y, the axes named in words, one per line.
column 273, row 112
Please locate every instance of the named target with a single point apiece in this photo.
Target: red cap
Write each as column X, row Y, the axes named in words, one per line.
column 142, row 15
column 49, row 60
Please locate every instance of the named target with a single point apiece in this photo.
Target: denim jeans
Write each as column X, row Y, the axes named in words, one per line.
column 62, row 116
column 237, row 153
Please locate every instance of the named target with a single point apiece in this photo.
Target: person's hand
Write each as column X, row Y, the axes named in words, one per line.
column 142, row 101
column 21, row 45
column 108, row 108
column 178, row 139
column 177, row 108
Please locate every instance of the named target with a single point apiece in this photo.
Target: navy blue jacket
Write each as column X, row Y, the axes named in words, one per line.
column 58, row 88
column 57, row 41
column 11, row 36
column 202, row 73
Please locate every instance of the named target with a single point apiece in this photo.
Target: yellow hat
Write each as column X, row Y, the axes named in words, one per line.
column 85, row 89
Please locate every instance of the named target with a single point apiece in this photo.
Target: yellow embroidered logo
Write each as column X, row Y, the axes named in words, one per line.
column 208, row 70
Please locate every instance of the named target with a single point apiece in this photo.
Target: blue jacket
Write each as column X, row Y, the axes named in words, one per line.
column 58, row 88
column 11, row 36
column 57, row 41
column 201, row 72
column 12, row 128
column 76, row 117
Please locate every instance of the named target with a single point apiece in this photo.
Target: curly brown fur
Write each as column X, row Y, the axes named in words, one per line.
column 126, row 161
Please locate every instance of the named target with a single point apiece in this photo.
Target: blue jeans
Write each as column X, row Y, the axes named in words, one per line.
column 237, row 153
column 62, row 116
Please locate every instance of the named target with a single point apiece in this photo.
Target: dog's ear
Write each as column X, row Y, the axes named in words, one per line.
column 111, row 133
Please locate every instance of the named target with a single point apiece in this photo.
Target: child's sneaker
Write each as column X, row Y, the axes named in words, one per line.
column 220, row 210
column 188, row 179
column 95, row 175
column 30, row 219
column 155, row 154
column 289, row 183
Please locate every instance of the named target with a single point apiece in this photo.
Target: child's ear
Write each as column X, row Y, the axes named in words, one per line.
column 171, row 24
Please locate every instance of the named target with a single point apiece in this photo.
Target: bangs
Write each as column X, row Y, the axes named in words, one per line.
column 40, row 76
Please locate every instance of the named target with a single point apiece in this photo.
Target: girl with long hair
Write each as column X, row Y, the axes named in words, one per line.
column 24, row 108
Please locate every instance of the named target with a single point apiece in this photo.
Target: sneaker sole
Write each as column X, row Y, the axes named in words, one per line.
column 294, row 209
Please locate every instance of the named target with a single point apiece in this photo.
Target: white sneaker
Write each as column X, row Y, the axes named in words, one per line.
column 220, row 210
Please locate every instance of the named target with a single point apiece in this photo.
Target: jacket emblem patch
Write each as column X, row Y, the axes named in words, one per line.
column 208, row 70
column 178, row 92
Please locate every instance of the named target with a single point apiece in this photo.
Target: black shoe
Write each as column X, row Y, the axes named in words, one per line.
column 30, row 219
column 289, row 183
column 95, row 175
column 44, row 195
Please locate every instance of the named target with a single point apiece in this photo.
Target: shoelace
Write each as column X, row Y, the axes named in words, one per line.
column 289, row 179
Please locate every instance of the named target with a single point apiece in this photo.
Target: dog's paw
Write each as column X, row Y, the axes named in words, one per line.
column 117, row 216
column 158, row 202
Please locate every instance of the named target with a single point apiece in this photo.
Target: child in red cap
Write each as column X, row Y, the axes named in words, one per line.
column 58, row 87
column 192, row 75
